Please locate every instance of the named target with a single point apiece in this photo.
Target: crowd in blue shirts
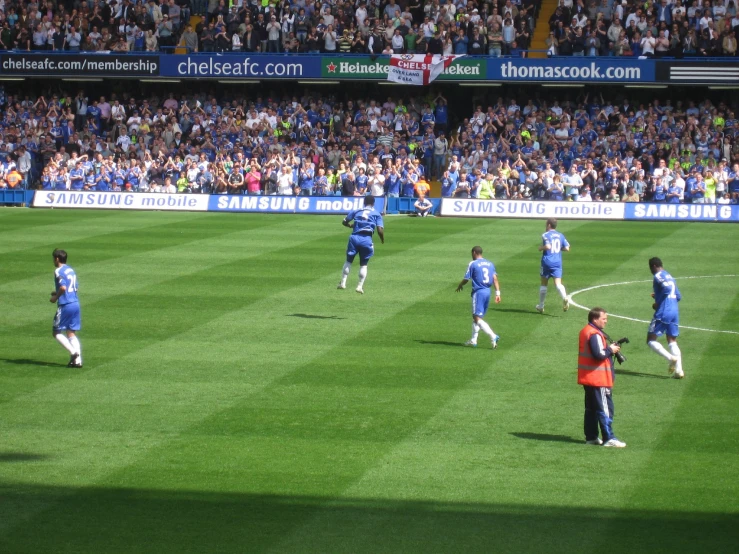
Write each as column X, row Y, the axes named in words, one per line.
column 586, row 149
column 593, row 149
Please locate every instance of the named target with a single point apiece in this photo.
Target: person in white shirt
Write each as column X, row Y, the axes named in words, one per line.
column 376, row 182
column 647, row 44
column 573, row 183
column 285, row 181
column 169, row 187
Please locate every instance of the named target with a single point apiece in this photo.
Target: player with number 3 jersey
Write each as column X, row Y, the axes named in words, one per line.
column 553, row 244
column 482, row 274
column 666, row 317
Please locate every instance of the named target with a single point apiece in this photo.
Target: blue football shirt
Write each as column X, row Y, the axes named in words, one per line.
column 65, row 276
column 365, row 220
column 556, row 242
column 480, row 272
column 666, row 296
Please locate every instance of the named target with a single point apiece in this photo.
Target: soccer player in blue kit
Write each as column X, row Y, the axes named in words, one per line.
column 67, row 317
column 482, row 274
column 366, row 221
column 666, row 317
column 553, row 243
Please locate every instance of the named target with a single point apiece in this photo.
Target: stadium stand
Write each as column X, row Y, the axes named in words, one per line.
column 587, row 148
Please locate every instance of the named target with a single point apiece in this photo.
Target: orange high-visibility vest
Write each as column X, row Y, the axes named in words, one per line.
column 590, row 370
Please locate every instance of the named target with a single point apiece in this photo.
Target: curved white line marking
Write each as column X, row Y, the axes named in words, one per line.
column 573, row 303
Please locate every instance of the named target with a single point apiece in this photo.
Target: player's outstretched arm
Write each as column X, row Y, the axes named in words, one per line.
column 461, row 285
column 381, row 234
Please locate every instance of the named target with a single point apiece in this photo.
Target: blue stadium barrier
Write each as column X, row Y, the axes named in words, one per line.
column 16, row 197
column 405, row 205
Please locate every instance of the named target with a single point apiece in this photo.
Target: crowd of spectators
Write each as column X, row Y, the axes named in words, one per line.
column 655, row 28
column 480, row 27
column 590, row 148
column 359, row 26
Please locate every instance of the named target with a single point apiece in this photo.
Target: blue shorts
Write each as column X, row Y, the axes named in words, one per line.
column 67, row 318
column 480, row 302
column 659, row 328
column 362, row 245
column 549, row 272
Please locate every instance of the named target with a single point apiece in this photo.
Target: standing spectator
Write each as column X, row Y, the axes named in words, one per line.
column 189, row 39
column 460, row 41
column 175, row 16
column 434, row 44
column 397, row 42
column 273, row 34
column 495, row 41
column 648, row 44
column 72, row 40
column 329, row 40
column 208, row 38
column 440, row 149
column 165, row 32
column 509, row 35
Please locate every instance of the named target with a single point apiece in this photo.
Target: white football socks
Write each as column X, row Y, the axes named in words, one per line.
column 675, row 351
column 659, row 349
column 362, row 275
column 542, row 295
column 562, row 291
column 75, row 342
column 475, row 331
column 65, row 342
column 345, row 273
column 486, row 328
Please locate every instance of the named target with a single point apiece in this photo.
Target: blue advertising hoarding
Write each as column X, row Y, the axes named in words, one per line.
column 290, row 204
column 573, row 69
column 351, row 67
column 682, row 212
column 241, row 66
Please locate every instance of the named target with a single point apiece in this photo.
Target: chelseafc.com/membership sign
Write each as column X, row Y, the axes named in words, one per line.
column 75, row 64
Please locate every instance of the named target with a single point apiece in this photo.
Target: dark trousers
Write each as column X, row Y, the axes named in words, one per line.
column 598, row 412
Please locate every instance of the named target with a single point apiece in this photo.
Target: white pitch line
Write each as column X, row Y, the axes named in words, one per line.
column 573, row 303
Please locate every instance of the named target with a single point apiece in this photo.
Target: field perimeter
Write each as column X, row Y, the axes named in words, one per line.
column 233, row 400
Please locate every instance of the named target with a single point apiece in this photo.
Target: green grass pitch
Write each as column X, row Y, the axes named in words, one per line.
column 233, row 400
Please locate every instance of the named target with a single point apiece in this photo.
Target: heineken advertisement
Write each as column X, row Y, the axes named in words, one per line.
column 344, row 67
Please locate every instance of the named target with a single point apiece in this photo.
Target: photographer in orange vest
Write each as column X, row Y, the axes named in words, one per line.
column 595, row 373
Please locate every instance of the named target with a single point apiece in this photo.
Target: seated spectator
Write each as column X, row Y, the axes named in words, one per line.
column 423, row 206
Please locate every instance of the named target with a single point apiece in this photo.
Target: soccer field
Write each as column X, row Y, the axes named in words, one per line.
column 233, row 400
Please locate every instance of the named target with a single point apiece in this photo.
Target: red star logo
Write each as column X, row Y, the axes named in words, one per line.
column 331, row 68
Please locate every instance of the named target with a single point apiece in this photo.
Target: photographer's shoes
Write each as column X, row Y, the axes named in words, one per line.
column 614, row 443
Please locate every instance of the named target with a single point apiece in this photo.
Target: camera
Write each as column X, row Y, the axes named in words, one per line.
column 620, row 358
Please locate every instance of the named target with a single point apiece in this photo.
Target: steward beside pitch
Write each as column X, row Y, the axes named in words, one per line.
column 595, row 373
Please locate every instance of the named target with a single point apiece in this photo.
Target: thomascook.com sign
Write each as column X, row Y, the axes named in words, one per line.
column 365, row 68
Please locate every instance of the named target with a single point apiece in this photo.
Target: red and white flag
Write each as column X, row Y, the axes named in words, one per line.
column 417, row 69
